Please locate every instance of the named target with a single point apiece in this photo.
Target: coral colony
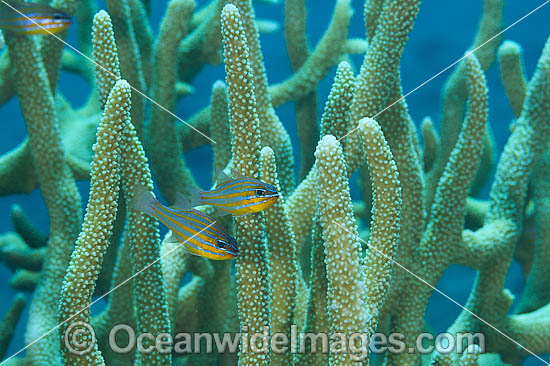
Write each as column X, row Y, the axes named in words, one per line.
column 308, row 263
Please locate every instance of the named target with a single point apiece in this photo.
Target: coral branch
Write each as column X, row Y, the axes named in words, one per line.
column 386, row 212
column 57, row 186
column 345, row 273
column 281, row 257
column 130, row 61
column 251, row 266
column 512, row 74
column 334, row 121
column 105, row 54
column 273, row 133
column 169, row 168
column 9, row 322
column 219, row 126
column 93, row 241
column 306, row 107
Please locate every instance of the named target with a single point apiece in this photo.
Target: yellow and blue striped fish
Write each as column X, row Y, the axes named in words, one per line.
column 31, row 18
column 239, row 196
column 197, row 231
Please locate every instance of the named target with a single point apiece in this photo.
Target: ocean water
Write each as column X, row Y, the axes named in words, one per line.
column 442, row 33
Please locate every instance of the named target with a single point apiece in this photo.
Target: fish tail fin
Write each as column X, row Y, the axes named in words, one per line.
column 181, row 202
column 196, row 195
column 143, row 200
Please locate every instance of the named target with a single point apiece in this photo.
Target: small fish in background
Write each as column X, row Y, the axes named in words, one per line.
column 236, row 196
column 198, row 232
column 32, row 18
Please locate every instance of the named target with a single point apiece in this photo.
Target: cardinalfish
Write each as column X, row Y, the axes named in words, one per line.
column 30, row 18
column 197, row 231
column 237, row 196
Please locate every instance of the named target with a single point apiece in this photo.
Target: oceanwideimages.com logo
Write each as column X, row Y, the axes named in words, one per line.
column 80, row 339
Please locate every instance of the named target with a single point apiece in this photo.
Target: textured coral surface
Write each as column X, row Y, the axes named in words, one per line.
column 401, row 210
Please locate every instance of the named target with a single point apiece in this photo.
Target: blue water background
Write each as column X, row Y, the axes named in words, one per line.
column 442, row 33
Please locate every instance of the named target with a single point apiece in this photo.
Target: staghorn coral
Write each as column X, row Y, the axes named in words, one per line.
column 347, row 312
column 251, row 265
column 9, row 322
column 319, row 260
column 284, row 271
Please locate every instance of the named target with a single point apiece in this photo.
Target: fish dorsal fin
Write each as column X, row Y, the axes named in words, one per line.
column 237, row 174
column 181, row 202
column 7, row 7
column 171, row 238
column 17, row 6
column 13, row 3
column 221, row 177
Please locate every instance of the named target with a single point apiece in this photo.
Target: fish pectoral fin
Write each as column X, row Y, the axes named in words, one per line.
column 222, row 212
column 191, row 251
column 171, row 238
column 244, row 214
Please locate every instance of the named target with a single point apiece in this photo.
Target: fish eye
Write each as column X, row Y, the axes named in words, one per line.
column 220, row 244
column 57, row 17
column 261, row 192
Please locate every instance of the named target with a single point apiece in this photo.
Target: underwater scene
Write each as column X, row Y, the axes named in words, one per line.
column 274, row 182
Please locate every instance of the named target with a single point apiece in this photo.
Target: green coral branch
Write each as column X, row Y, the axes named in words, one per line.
column 281, row 257
column 169, row 168
column 92, row 243
column 273, row 134
column 494, row 243
column 203, row 43
column 306, row 107
column 9, row 323
column 346, row 289
column 326, row 53
column 372, row 86
column 219, row 126
column 119, row 310
column 301, row 208
column 144, row 38
column 537, row 290
column 251, row 265
column 131, row 67
column 385, row 225
column 317, row 320
column 57, row 186
column 455, row 91
column 512, row 74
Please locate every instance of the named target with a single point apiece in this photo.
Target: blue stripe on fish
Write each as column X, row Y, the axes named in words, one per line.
column 30, row 18
column 198, row 232
column 238, row 196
